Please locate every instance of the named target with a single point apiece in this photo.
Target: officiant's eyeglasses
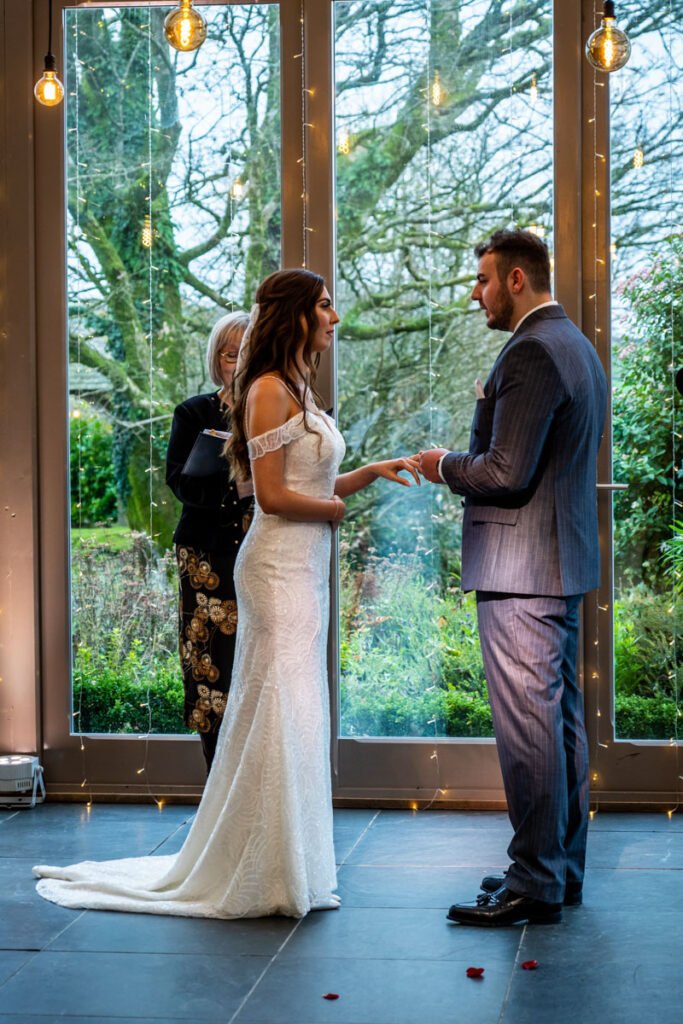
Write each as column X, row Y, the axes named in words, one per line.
column 228, row 357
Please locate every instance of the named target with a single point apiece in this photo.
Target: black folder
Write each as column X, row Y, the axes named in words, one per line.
column 206, row 457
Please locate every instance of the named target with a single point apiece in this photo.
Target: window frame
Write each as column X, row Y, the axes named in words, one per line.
column 377, row 771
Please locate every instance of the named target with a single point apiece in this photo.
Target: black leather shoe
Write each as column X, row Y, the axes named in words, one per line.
column 573, row 893
column 503, row 907
column 490, row 883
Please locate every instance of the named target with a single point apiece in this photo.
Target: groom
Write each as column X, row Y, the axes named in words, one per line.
column 530, row 550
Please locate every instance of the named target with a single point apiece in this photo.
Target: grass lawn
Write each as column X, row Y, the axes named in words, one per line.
column 105, row 538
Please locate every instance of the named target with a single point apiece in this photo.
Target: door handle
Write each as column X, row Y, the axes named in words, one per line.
column 612, row 487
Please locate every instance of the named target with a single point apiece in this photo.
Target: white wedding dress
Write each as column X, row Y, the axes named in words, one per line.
column 261, row 841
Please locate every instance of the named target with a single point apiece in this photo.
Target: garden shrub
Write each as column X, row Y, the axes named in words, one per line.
column 644, row 718
column 645, row 659
column 403, row 648
column 128, row 694
column 93, row 482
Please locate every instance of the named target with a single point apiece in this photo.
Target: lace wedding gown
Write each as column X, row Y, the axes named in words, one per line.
column 261, row 841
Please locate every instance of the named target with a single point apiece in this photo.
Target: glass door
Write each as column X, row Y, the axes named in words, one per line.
column 443, row 133
column 647, row 352
column 173, row 215
column 631, row 305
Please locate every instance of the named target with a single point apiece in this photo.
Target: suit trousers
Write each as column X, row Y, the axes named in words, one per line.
column 529, row 646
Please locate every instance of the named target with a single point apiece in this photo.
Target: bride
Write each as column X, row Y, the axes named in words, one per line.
column 261, row 841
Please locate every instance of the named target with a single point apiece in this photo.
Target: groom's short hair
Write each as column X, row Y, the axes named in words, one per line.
column 517, row 248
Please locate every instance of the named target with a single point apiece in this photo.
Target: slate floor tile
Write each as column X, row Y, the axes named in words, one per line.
column 633, row 889
column 10, row 963
column 27, row 922
column 612, row 936
column 102, row 835
column 188, row 987
column 377, row 991
column 573, row 993
column 101, row 931
column 397, row 934
column 59, row 1018
column 427, row 887
column 345, row 842
column 355, row 817
column 441, row 821
column 615, row 821
column 635, row 850
column 459, row 847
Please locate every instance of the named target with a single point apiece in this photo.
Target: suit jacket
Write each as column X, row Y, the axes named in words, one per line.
column 213, row 514
column 529, row 478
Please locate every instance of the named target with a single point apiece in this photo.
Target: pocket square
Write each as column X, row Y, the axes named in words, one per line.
column 479, row 389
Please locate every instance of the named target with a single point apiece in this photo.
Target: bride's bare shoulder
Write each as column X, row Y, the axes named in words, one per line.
column 269, row 404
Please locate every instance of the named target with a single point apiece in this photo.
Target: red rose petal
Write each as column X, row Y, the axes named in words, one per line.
column 331, row 995
column 475, row 972
column 530, row 965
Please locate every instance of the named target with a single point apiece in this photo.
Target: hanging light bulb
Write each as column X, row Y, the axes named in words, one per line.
column 608, row 48
column 237, row 190
column 437, row 90
column 533, row 89
column 184, row 28
column 48, row 90
column 344, row 144
column 147, row 235
column 638, row 158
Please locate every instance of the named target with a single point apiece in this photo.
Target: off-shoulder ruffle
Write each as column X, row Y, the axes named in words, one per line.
column 259, row 446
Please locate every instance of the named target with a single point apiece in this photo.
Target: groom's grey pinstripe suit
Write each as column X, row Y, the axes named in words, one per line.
column 530, row 550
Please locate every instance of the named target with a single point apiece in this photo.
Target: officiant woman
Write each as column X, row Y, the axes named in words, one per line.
column 213, row 522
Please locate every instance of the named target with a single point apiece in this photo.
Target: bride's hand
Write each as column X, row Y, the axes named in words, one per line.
column 339, row 512
column 390, row 469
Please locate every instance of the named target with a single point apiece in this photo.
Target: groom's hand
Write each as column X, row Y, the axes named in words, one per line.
column 429, row 461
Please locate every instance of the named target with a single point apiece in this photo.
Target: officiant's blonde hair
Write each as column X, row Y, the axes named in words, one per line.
column 230, row 327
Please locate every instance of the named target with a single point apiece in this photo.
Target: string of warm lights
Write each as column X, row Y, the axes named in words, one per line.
column 598, row 266
column 675, row 434
column 433, row 99
column 77, row 413
column 305, row 126
column 151, row 369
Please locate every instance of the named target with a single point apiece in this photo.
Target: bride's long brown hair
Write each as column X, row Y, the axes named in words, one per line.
column 283, row 299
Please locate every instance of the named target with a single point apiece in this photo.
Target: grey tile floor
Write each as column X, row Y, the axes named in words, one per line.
column 389, row 952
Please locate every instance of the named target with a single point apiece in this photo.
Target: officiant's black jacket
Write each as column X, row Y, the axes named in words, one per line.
column 213, row 514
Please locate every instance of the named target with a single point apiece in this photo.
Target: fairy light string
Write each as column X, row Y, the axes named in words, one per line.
column 305, row 126
column 433, row 97
column 675, row 739
column 77, row 412
column 599, row 277
column 151, row 369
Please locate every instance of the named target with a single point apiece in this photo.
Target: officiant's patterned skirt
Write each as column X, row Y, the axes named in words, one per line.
column 207, row 628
